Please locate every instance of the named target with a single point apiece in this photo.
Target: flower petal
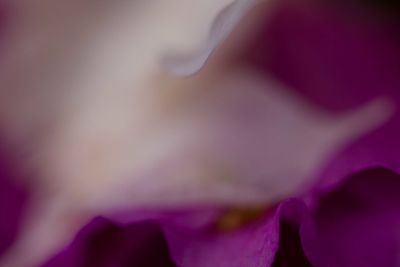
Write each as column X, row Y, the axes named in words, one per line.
column 13, row 200
column 244, row 140
column 337, row 60
column 186, row 64
column 104, row 244
column 357, row 224
column 255, row 244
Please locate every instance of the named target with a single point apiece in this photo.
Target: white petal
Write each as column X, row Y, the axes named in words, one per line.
column 71, row 72
column 184, row 64
column 243, row 140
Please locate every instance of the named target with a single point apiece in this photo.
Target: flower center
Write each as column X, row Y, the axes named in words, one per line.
column 235, row 218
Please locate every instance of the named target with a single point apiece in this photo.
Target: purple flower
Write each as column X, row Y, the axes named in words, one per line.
column 300, row 172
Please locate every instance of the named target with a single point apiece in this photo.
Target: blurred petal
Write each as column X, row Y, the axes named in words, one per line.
column 56, row 56
column 357, row 224
column 104, row 244
column 254, row 244
column 227, row 19
column 290, row 252
column 338, row 57
column 13, row 200
column 243, row 140
column 54, row 50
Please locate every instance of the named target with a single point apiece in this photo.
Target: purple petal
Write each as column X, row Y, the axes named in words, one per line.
column 13, row 200
column 254, row 245
column 358, row 223
column 290, row 252
column 104, row 244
